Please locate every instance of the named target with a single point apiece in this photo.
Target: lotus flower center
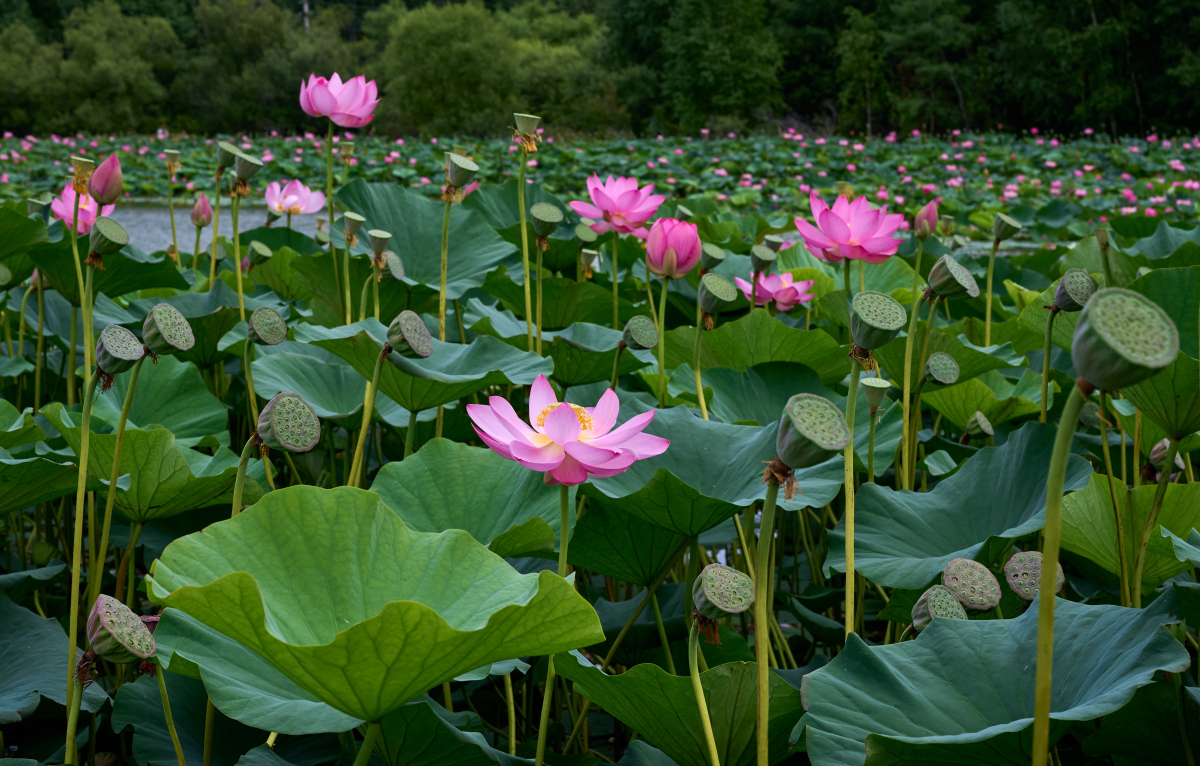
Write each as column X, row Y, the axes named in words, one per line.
column 581, row 414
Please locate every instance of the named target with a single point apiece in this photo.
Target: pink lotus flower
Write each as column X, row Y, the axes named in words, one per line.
column 64, row 207
column 779, row 288
column 850, row 230
column 568, row 442
column 350, row 104
column 619, row 205
column 202, row 213
column 294, row 199
column 105, row 183
column 673, row 248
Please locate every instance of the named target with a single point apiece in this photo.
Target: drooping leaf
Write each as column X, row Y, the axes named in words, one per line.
column 17, row 584
column 126, row 271
column 611, row 542
column 17, row 428
column 423, row 733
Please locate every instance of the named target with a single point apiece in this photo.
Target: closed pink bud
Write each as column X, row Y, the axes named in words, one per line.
column 105, row 184
column 202, row 213
column 673, row 248
column 926, row 221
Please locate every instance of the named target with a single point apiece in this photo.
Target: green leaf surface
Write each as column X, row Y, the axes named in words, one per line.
column 564, row 301
column 1146, row 732
column 17, row 584
column 25, row 482
column 1177, row 291
column 1171, row 397
column 998, row 398
column 611, row 542
column 423, row 733
column 17, row 428
column 19, row 233
column 973, row 361
column 126, row 271
column 170, row 394
column 585, row 353
column 758, row 393
column 497, row 204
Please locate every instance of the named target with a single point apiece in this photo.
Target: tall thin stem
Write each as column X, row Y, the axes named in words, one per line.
column 71, row 360
column 525, row 249
column 410, row 436
column 87, row 352
column 346, row 279
column 77, row 546
column 698, row 689
column 617, row 365
column 368, row 745
column 239, row 483
column 1139, row 564
column 662, row 344
column 166, row 706
column 1046, row 363
column 846, row 274
column 362, row 299
column 237, row 254
column 357, row 469
column 906, row 448
column 510, row 703
column 76, row 702
column 871, row 448
column 337, row 273
column 212, row 262
column 1112, row 491
column 378, row 274
column 196, row 254
column 615, row 280
column 564, row 531
column 442, row 279
column 987, row 308
column 762, row 604
column 917, row 273
column 171, row 211
column 662, row 635
column 696, row 359
column 39, row 358
column 540, row 253
column 855, row 372
column 210, row 720
column 135, row 531
column 544, row 720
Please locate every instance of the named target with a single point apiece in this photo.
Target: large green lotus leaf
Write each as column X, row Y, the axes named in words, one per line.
column 500, row 323
column 330, row 386
column 710, row 472
column 973, row 360
column 1171, row 397
column 998, row 398
column 17, row 428
column 611, row 542
column 963, row 691
column 662, row 708
column 758, row 393
column 1151, row 433
column 497, row 204
column 56, row 319
column 584, row 353
column 17, row 584
column 562, row 251
column 451, row 372
column 170, row 394
column 243, row 685
column 314, row 274
column 25, row 482
column 126, row 271
column 903, row 539
column 312, row 750
column 641, row 754
column 19, row 232
column 564, row 301
column 448, row 485
column 1177, row 291
column 387, row 613
column 1146, row 732
column 31, row 664
column 279, row 237
column 415, row 223
column 423, row 733
column 1167, row 543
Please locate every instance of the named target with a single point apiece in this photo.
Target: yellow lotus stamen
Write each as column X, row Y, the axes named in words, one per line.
column 581, row 414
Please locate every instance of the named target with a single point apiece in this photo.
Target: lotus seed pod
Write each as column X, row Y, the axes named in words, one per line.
column 227, row 154
column 875, row 389
column 116, row 633
column 246, row 166
column 811, row 430
column 949, row 279
column 460, row 169
column 117, row 350
column 166, row 331
column 393, row 267
column 409, row 337
column 721, row 591
column 1074, row 290
column 351, row 222
column 972, row 583
column 640, row 333
column 978, row 425
column 1090, row 414
column 1004, row 227
column 108, row 237
column 875, row 319
column 1122, row 338
column 711, row 256
column 1024, row 574
column 584, row 233
column 258, row 253
column 762, row 258
column 716, row 293
column 266, row 327
column 380, row 240
column 526, row 123
column 43, row 552
column 82, row 166
column 171, row 156
column 774, row 241
column 936, row 602
column 545, row 218
column 941, row 368
column 287, row 422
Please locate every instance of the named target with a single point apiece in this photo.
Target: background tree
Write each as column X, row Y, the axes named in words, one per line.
column 860, row 70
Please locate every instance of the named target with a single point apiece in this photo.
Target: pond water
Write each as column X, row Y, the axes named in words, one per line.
column 149, row 227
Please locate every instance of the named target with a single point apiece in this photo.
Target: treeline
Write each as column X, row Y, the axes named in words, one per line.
column 606, row 66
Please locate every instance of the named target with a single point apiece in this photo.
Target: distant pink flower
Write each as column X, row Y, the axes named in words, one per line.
column 568, row 442
column 673, row 248
column 63, row 208
column 618, row 204
column 350, row 104
column 294, row 199
column 850, row 230
column 778, row 288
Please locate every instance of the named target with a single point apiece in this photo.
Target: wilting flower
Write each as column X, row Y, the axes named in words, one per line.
column 673, row 248
column 568, row 442
column 105, row 184
column 295, row 198
column 202, row 213
column 850, row 230
column 64, row 207
column 778, row 288
column 926, row 221
column 350, row 104
column 618, row 204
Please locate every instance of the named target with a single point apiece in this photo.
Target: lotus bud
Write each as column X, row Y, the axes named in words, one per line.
column 166, row 331
column 43, row 552
column 875, row 389
column 351, row 223
column 711, row 256
column 227, row 155
column 1004, row 227
column 393, row 266
column 811, row 430
column 716, row 293
column 640, row 333
column 941, row 368
column 1122, row 338
column 545, row 218
column 926, row 221
column 936, row 602
column 460, row 170
column 107, row 237
column 409, row 337
column 116, row 633
column 762, row 258
column 266, row 327
column 117, row 350
column 1158, row 456
column 875, row 319
column 584, row 233
column 1024, row 574
column 379, row 240
column 257, row 252
column 972, row 584
column 202, row 213
column 347, row 149
column 527, row 123
column 246, row 166
column 1074, row 290
column 105, row 184
column 774, row 241
column 978, row 425
column 246, row 265
column 287, row 422
column 949, row 279
column 721, row 591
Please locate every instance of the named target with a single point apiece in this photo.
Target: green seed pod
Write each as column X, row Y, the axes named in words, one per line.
column 811, row 430
column 584, row 233
column 43, row 552
column 266, row 327
column 1090, row 414
column 351, row 223
column 936, row 602
column 258, row 253
column 640, row 333
column 227, row 154
column 379, row 240
column 166, row 331
column 721, row 591
column 526, row 123
column 1004, row 227
column 762, row 258
column 949, row 279
column 117, row 634
column 461, row 170
column 394, row 268
column 978, row 425
column 117, row 350
column 716, row 293
column 1024, row 574
column 972, row 583
column 1074, row 290
column 941, row 368
column 409, row 337
column 246, row 166
column 711, row 256
column 172, row 156
column 774, row 241
column 545, row 218
column 875, row 389
column 875, row 319
column 287, row 422
column 1122, row 338
column 107, row 237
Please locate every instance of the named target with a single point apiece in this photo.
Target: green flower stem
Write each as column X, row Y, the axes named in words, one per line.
column 21, row 324
column 662, row 344
column 1046, row 363
column 39, row 358
column 846, row 272
column 987, row 307
column 617, row 365
column 247, row 361
column 196, row 253
column 762, row 602
column 544, row 721
column 378, row 274
column 1052, row 536
column 135, row 531
column 925, row 340
column 1139, row 564
column 166, row 705
column 72, row 364
column 693, row 571
column 917, row 273
column 212, row 262
column 906, row 448
column 362, row 299
column 1112, row 491
column 616, row 249
column 237, row 255
column 705, row 723
column 346, row 280
column 239, row 484
column 74, row 705
column 662, row 635
column 77, row 548
column 171, row 211
column 871, row 448
column 87, row 352
column 696, row 359
column 510, row 703
column 210, row 720
column 855, row 372
column 368, row 745
column 442, row 282
column 410, row 436
column 337, row 273
column 525, row 249
column 540, row 253
column 564, row 529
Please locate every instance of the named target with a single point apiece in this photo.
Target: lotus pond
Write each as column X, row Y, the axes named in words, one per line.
column 570, row 469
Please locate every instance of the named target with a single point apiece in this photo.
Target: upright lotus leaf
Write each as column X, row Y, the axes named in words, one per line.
column 611, row 542
column 1147, row 731
column 904, row 539
column 170, row 394
column 451, row 372
column 662, row 708
column 1170, row 398
column 920, row 701
column 497, row 203
column 17, row 428
column 584, row 353
column 992, row 394
column 973, row 361
column 564, row 301
column 127, row 271
column 423, row 733
column 448, row 485
column 758, row 393
column 25, row 482
column 388, row 613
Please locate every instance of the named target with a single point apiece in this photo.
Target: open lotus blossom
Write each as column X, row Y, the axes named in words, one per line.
column 568, row 442
column 850, row 230
column 294, row 199
column 64, row 208
column 618, row 204
column 350, row 104
column 779, row 288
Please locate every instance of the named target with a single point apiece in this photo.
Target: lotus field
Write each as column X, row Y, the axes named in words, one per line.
column 699, row 451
